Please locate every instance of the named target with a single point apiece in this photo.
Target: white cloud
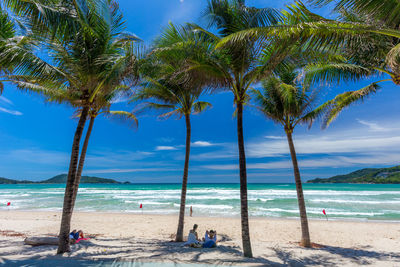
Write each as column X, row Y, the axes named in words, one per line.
column 161, row 148
column 107, row 158
column 201, row 144
column 131, row 170
column 275, row 137
column 227, row 153
column 353, row 147
column 332, row 162
column 38, row 156
column 12, row 112
column 120, row 99
column 352, row 141
column 6, row 100
column 372, row 126
column 319, row 144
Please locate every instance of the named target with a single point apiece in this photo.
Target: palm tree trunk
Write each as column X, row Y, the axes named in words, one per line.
column 243, row 185
column 181, row 222
column 82, row 160
column 63, row 245
column 305, row 235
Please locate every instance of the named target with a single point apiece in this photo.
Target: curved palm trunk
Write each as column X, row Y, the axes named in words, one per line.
column 243, row 185
column 305, row 235
column 181, row 222
column 63, row 245
column 82, row 160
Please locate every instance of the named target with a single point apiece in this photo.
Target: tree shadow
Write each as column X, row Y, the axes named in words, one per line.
column 335, row 256
column 102, row 251
column 359, row 254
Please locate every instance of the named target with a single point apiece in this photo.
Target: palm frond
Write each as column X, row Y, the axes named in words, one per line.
column 177, row 112
column 393, row 58
column 123, row 116
column 387, row 11
column 334, row 73
column 201, row 106
column 346, row 99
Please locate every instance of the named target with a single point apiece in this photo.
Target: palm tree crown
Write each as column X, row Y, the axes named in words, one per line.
column 286, row 102
column 171, row 87
column 91, row 59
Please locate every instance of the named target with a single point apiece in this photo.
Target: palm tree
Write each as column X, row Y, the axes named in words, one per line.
column 10, row 36
column 92, row 56
column 236, row 68
column 101, row 106
column 7, row 32
column 373, row 52
column 287, row 103
column 168, row 87
column 364, row 34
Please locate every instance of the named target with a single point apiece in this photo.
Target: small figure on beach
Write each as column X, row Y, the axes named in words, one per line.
column 193, row 238
column 210, row 239
column 76, row 235
column 191, row 211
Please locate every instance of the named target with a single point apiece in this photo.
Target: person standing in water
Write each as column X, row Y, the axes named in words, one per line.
column 191, row 211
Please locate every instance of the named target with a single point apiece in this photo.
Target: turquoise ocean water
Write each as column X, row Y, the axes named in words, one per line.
column 341, row 201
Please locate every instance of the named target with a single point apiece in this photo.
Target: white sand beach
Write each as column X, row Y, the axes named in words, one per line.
column 146, row 238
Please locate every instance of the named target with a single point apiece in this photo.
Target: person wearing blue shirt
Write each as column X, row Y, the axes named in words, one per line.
column 210, row 239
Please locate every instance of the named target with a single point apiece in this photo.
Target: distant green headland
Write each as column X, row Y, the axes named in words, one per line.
column 365, row 176
column 62, row 179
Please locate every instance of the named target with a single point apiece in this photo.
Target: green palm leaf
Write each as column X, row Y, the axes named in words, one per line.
column 123, row 116
column 346, row 99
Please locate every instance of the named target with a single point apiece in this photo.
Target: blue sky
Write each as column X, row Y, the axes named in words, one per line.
column 36, row 138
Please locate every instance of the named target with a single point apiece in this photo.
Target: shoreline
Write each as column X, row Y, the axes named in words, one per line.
column 350, row 220
column 142, row 238
column 361, row 203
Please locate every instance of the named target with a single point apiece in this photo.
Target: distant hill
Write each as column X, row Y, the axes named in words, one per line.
column 365, row 176
column 11, row 181
column 62, row 179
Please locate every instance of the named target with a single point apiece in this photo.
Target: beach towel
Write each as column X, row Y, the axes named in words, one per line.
column 80, row 239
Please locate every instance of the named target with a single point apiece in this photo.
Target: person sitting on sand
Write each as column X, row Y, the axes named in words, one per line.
column 210, row 239
column 193, row 239
column 76, row 235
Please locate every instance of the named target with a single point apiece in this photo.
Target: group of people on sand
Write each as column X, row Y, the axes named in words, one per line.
column 209, row 240
column 76, row 235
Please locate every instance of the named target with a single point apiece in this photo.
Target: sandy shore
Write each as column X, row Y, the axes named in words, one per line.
column 145, row 238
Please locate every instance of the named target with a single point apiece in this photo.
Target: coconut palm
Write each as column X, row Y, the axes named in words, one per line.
column 170, row 88
column 376, row 51
column 180, row 100
column 287, row 103
column 100, row 106
column 363, row 33
column 90, row 59
column 236, row 68
column 11, row 37
column 7, row 32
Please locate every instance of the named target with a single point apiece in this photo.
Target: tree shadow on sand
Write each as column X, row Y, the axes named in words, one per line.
column 335, row 256
column 101, row 251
